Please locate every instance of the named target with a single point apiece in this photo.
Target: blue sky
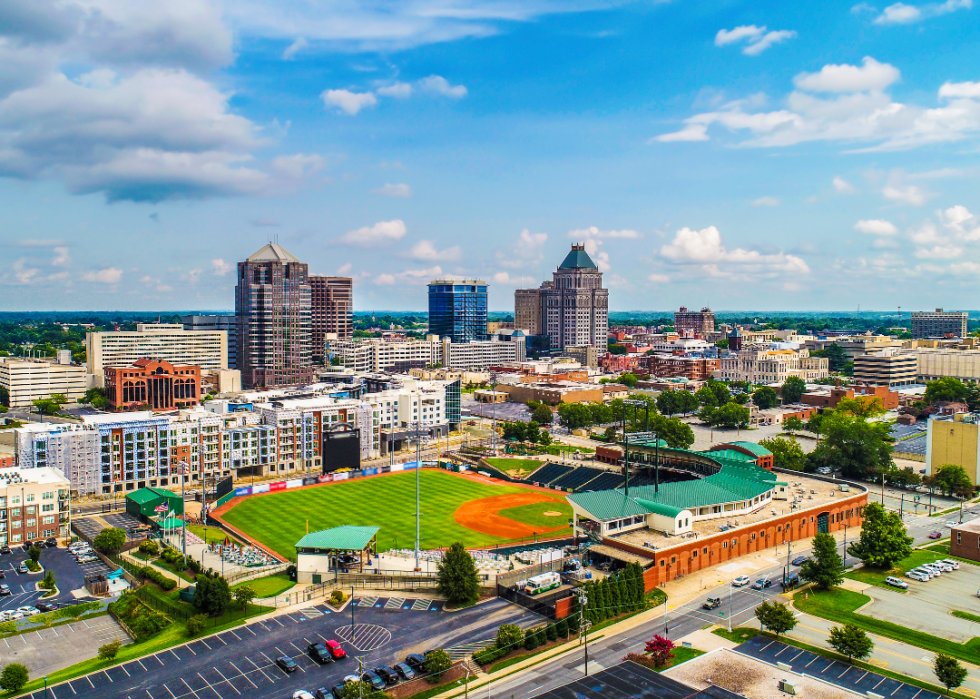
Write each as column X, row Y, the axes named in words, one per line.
column 746, row 155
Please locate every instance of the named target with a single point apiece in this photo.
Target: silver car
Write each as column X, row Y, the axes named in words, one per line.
column 921, row 577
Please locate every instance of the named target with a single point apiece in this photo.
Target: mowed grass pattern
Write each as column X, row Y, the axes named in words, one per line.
column 534, row 516
column 278, row 520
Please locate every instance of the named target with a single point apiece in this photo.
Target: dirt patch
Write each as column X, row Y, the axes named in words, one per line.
column 481, row 515
column 551, row 513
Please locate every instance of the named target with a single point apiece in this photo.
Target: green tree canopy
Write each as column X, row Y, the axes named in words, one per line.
column 628, row 379
column 793, row 389
column 776, row 617
column 672, row 430
column 952, row 480
column 765, row 398
column 851, row 640
column 786, row 453
column 825, row 568
column 542, row 414
column 244, row 595
column 728, row 415
column 458, row 579
column 667, row 402
column 14, row 677
column 859, row 448
column 948, row 671
column 706, row 397
column 793, row 424
column 574, row 416
column 722, row 394
column 946, row 389
column 110, row 539
column 883, row 541
column 861, row 406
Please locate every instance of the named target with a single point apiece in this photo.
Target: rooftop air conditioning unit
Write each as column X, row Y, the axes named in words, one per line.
column 787, row 687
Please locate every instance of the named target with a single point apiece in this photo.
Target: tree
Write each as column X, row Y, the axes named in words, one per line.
column 110, row 650
column 34, row 552
column 574, row 617
column 458, row 579
column 953, row 480
column 722, row 394
column 509, row 636
column 793, row 389
column 883, row 541
column 852, row 641
column 860, row 449
column 776, row 617
column 611, row 432
column 211, row 595
column 110, row 539
column 551, row 632
column 837, row 358
column 677, row 434
column 824, row 568
column 4, row 396
column 196, row 624
column 706, row 398
column 46, row 407
column 686, row 402
column 436, row 663
column 765, row 398
column 574, row 416
column 786, row 453
column 617, row 349
column 667, row 403
column 946, row 389
column 14, row 677
column 660, row 650
column 542, row 414
column 948, row 671
column 628, row 379
column 601, row 413
column 793, row 424
column 244, row 595
column 730, row 415
column 861, row 406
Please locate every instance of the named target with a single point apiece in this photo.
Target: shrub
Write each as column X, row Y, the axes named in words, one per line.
column 34, row 552
column 551, row 632
column 337, row 597
column 154, row 575
column 196, row 624
column 49, row 582
column 141, row 620
column 489, row 655
column 530, row 641
column 194, row 566
column 110, row 539
column 243, row 595
column 109, row 650
column 436, row 663
column 32, row 565
column 14, row 677
column 509, row 636
column 562, row 628
column 149, row 548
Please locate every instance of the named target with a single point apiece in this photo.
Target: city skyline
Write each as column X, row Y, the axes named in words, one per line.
column 748, row 152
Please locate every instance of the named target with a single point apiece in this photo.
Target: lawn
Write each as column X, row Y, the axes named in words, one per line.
column 943, row 550
column 681, row 655
column 740, row 634
column 214, row 534
column 269, row 586
column 279, row 520
column 875, row 576
column 534, row 516
column 839, row 605
column 515, row 464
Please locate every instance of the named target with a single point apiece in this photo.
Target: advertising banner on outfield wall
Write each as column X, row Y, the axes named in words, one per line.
column 325, row 478
column 370, row 471
column 396, row 467
column 281, row 485
column 242, row 491
column 341, row 476
column 295, row 483
column 264, row 488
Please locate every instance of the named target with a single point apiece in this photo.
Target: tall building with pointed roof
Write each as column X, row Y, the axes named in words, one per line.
column 273, row 312
column 572, row 309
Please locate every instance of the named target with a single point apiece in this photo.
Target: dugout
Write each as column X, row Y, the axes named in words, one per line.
column 340, row 548
column 143, row 503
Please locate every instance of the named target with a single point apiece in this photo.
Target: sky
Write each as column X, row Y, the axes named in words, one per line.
column 742, row 155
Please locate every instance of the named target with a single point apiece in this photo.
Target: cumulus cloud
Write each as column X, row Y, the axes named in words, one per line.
column 425, row 250
column 397, row 90
column 61, row 257
column 871, row 75
column 501, row 278
column 220, row 267
column 756, row 38
column 600, row 258
column 876, row 227
column 109, row 275
column 410, row 276
column 766, row 201
column 380, row 233
column 658, row 278
column 401, row 191
column 842, row 186
column 900, row 13
column 294, row 48
column 905, row 194
column 705, row 248
column 594, row 232
column 528, row 251
column 691, row 132
column 965, row 89
column 299, row 166
column 347, row 101
column 440, row 86
column 23, row 273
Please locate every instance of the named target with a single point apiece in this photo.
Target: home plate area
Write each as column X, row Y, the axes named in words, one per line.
column 365, row 637
column 403, row 603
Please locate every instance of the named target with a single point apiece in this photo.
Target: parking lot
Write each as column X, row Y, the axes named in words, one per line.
column 46, row 650
column 240, row 662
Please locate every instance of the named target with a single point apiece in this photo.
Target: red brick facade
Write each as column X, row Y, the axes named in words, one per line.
column 154, row 383
column 724, row 546
column 888, row 398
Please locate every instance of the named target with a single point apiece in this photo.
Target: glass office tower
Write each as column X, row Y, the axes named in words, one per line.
column 458, row 309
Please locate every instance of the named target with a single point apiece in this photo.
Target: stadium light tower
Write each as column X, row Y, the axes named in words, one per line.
column 626, row 438
column 493, row 408
column 419, row 438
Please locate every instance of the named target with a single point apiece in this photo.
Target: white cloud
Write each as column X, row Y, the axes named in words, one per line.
column 770, row 39
column 385, row 279
column 298, row 166
column 410, row 276
column 378, row 234
column 871, row 75
column 966, row 89
column 155, row 284
column 527, row 252
column 601, row 259
column 705, row 247
column 397, row 90
column 61, row 257
column 691, row 132
column 501, row 278
column 905, row 194
column 109, row 275
column 440, row 86
column 658, row 278
column 294, row 48
column 900, row 13
column 344, row 269
column 758, row 38
column 876, row 227
column 766, row 201
column 401, row 191
column 347, row 101
column 425, row 250
column 24, row 274
column 220, row 267
column 594, row 232
column 842, row 186
column 939, row 252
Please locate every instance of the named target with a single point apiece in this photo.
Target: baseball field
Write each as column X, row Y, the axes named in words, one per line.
column 454, row 508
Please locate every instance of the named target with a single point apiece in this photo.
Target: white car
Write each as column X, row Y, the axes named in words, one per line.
column 921, row 577
column 952, row 563
column 741, row 581
column 302, row 694
column 87, row 559
column 28, row 611
column 15, row 615
column 928, row 572
column 896, row 582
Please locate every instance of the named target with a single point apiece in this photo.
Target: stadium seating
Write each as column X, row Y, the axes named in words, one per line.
column 607, row 481
column 576, row 478
column 548, row 473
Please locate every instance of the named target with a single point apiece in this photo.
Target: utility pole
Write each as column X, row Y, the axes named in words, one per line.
column 789, row 547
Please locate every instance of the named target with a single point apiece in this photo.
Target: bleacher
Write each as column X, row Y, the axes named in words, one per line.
column 607, row 481
column 577, row 477
column 548, row 473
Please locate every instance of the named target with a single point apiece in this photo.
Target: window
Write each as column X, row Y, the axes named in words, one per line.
column 30, row 497
column 694, row 554
column 15, row 539
column 47, row 520
column 47, row 508
column 673, row 559
column 48, row 496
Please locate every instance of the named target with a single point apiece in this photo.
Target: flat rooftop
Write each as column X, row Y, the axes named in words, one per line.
column 815, row 494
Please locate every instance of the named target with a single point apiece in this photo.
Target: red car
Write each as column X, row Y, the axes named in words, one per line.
column 935, row 535
column 335, row 650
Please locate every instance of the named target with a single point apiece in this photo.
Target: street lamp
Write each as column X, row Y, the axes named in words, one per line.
column 418, row 468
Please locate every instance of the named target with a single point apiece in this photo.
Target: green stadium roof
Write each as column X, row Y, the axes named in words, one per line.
column 732, row 455
column 658, row 508
column 146, row 495
column 753, row 447
column 345, row 538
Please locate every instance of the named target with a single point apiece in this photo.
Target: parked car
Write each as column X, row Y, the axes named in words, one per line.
column 335, row 650
column 928, row 572
column 741, row 581
column 800, row 560
column 319, row 653
column 15, row 615
column 88, row 558
column 323, row 693
column 374, row 679
column 4, row 590
column 23, row 567
column 896, row 582
column 337, row 690
column 2, row 575
column 935, row 535
column 934, row 569
column 952, row 563
column 711, row 603
column 28, row 611
column 52, row 543
column 791, row 580
column 388, row 674
column 405, row 671
column 4, row 550
column 921, row 577
column 414, row 661
column 286, row 664
column 761, row 584
column 302, row 694
column 46, row 606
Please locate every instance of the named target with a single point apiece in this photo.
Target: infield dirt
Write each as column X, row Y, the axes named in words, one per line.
column 481, row 515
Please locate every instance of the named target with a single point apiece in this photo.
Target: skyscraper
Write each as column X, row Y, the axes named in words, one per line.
column 573, row 308
column 273, row 309
column 458, row 309
column 332, row 310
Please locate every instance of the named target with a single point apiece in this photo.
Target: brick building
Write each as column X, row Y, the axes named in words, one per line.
column 153, row 382
column 694, row 368
column 964, row 540
column 331, row 311
column 694, row 323
column 833, row 395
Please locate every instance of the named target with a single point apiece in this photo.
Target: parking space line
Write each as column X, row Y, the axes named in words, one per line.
column 188, row 686
column 917, row 693
column 90, row 681
column 188, row 647
column 206, row 645
column 243, row 674
column 174, row 654
column 279, row 622
column 142, row 666
column 260, row 670
column 291, row 619
column 231, row 631
column 882, row 680
column 264, row 627
column 209, row 685
column 286, row 674
column 900, row 686
column 295, row 646
column 72, row 688
column 797, row 655
column 862, row 677
column 107, row 675
column 843, row 673
column 158, row 659
column 123, row 668
column 53, row 694
column 221, row 639
column 815, row 658
column 148, row 693
column 225, row 679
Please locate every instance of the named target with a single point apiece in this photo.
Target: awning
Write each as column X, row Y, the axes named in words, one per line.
column 620, row 555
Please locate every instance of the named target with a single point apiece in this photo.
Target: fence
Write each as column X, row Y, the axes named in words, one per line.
column 344, row 581
column 238, row 577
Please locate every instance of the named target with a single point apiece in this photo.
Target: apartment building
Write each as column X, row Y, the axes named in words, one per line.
column 34, row 504
column 586, row 355
column 28, row 380
column 170, row 342
column 693, row 367
column 375, row 355
column 765, row 366
column 938, row 323
column 954, row 439
column 694, row 323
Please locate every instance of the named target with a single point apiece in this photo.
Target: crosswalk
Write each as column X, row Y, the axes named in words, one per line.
column 464, row 650
column 399, row 603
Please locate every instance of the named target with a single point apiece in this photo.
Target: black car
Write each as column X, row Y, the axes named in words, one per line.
column 374, row 679
column 416, row 662
column 387, row 674
column 323, row 693
column 711, row 603
column 337, row 690
column 800, row 560
column 791, row 580
column 45, row 606
column 2, row 575
column 52, row 543
column 286, row 664
column 4, row 550
column 405, row 671
column 319, row 653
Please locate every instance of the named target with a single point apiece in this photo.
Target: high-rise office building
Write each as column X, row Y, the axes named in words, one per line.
column 228, row 323
column 938, row 323
column 690, row 323
column 206, row 348
column 332, row 309
column 573, row 308
column 273, row 308
column 458, row 309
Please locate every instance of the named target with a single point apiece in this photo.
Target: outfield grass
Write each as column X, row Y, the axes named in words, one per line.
column 533, row 515
column 876, row 576
column 269, row 586
column 279, row 520
column 514, row 464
